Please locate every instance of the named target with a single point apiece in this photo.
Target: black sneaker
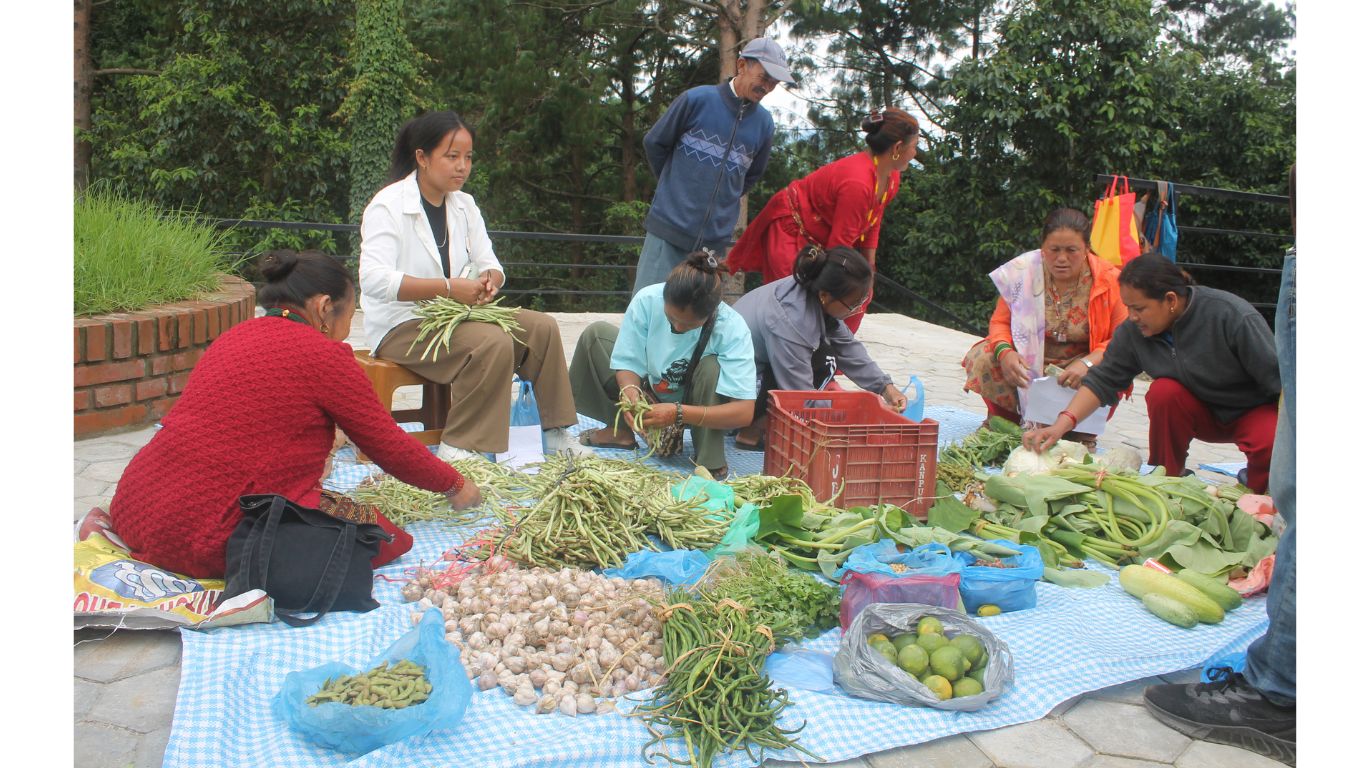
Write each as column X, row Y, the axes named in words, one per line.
column 1227, row 711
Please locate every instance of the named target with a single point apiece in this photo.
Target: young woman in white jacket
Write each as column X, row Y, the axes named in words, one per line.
column 421, row 237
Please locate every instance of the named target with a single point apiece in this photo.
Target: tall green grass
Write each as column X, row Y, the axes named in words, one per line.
column 130, row 255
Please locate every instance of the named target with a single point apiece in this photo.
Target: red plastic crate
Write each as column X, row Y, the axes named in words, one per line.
column 834, row 439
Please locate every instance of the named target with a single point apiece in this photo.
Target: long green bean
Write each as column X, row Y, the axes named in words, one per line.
column 441, row 315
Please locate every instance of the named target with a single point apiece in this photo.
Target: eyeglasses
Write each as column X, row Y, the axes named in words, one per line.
column 854, row 308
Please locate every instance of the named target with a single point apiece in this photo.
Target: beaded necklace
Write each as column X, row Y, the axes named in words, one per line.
column 286, row 314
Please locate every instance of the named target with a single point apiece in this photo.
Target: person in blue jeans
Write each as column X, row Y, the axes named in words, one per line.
column 1256, row 709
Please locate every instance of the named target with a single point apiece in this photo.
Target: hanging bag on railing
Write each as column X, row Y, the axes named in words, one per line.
column 1114, row 233
column 308, row 561
column 1159, row 225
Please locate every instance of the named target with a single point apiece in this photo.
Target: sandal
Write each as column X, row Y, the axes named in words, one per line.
column 586, row 439
column 720, row 473
column 757, row 446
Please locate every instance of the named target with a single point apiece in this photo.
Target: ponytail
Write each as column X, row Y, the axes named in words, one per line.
column 839, row 271
column 1154, row 276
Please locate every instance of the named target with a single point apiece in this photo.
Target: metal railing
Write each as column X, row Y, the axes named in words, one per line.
column 883, row 282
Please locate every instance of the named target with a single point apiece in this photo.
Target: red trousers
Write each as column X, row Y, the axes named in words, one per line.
column 1175, row 417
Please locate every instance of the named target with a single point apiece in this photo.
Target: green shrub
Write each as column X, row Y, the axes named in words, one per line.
column 130, row 255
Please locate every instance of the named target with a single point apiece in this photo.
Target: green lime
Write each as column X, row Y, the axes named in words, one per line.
column 913, row 660
column 947, row 662
column 966, row 687
column 930, row 626
column 887, row 651
column 978, row 673
column 901, row 641
column 878, row 637
column 987, row 609
column 972, row 649
column 939, row 686
column 931, row 641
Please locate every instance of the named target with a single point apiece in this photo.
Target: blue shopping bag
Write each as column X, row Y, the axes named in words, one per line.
column 1159, row 223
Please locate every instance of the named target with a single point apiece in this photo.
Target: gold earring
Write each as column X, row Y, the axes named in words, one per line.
column 896, row 155
column 325, row 329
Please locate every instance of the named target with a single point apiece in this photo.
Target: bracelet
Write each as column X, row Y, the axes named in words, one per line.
column 1070, row 415
column 448, row 286
column 703, row 420
column 678, row 415
column 1001, row 349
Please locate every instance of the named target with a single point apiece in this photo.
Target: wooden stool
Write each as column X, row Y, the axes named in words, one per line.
column 386, row 377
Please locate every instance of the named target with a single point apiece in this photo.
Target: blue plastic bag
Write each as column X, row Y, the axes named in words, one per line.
column 1159, row 223
column 678, row 566
column 932, row 559
column 360, row 729
column 1010, row 588
column 717, row 498
column 1236, row 662
column 524, row 412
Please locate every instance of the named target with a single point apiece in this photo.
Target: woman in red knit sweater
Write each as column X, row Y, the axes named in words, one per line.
column 841, row 203
column 258, row 415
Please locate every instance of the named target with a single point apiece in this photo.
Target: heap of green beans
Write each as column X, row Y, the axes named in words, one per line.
column 403, row 504
column 716, row 697
column 960, row 462
column 759, row 490
column 396, row 687
column 441, row 315
column 592, row 512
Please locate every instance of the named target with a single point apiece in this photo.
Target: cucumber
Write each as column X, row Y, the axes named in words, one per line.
column 1216, row 589
column 1170, row 610
column 1139, row 580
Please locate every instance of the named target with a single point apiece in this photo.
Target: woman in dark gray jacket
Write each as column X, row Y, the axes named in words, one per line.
column 800, row 339
column 1212, row 359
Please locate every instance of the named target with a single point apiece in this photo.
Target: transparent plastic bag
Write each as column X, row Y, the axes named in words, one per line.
column 861, row 671
column 361, row 729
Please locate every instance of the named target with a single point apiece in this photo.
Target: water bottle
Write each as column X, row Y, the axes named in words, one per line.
column 915, row 402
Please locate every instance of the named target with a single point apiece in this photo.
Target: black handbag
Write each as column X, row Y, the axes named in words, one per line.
column 305, row 559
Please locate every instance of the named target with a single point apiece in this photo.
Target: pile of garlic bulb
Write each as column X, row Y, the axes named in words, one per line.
column 557, row 639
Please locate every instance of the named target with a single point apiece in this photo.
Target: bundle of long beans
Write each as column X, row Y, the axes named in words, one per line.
column 403, row 504
column 716, row 697
column 632, row 412
column 441, row 316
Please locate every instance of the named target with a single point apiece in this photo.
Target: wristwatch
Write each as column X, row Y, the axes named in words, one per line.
column 1087, row 363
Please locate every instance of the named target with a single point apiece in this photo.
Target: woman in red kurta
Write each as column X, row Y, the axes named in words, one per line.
column 841, row 203
column 258, row 415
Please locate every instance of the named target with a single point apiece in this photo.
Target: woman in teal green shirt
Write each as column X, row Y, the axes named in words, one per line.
column 680, row 348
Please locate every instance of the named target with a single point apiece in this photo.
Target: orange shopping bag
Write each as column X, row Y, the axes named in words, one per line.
column 1114, row 233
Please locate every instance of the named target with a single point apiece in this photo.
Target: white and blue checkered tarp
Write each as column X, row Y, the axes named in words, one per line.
column 1074, row 641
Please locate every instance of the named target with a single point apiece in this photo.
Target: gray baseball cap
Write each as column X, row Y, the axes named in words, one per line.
column 771, row 56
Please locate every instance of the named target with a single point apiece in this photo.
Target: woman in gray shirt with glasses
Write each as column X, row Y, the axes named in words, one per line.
column 800, row 339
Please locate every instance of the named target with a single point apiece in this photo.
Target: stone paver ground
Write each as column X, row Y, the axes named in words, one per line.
column 126, row 682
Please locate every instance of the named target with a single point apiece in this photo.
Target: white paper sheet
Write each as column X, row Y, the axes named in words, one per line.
column 1047, row 398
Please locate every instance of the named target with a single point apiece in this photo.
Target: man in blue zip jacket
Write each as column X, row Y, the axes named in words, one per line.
column 708, row 150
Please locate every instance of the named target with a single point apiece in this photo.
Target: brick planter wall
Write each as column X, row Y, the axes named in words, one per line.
column 131, row 366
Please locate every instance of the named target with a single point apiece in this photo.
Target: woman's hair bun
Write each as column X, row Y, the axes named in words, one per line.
column 276, row 265
column 870, row 127
column 704, row 260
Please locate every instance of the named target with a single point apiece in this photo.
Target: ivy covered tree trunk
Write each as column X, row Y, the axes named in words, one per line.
column 81, row 49
column 380, row 97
